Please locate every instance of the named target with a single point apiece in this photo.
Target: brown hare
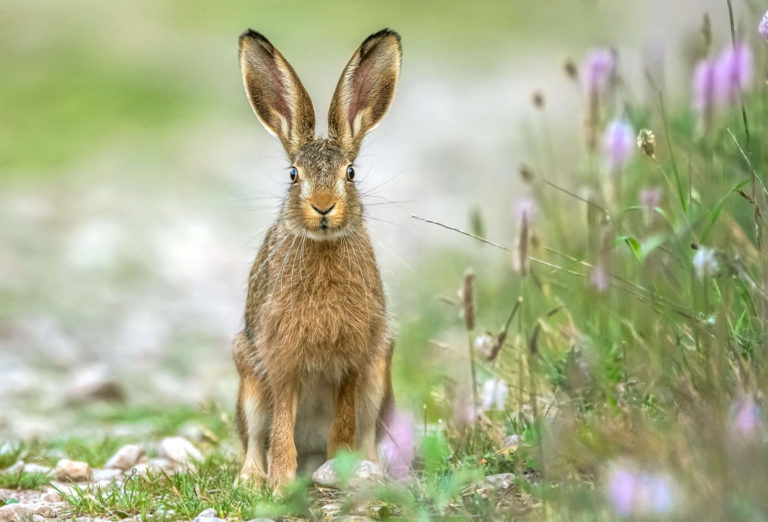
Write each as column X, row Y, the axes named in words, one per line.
column 314, row 356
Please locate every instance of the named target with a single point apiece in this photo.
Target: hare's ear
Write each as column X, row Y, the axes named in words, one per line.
column 277, row 96
column 365, row 90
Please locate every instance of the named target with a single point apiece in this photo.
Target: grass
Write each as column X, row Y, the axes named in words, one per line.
column 23, row 480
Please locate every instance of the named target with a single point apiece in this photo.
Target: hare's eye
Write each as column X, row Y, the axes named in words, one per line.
column 294, row 174
column 350, row 173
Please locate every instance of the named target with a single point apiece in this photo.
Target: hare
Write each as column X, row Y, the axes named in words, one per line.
column 314, row 356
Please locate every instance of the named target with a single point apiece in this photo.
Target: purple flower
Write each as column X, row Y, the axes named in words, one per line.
column 733, row 72
column 618, row 143
column 622, row 489
column 632, row 493
column 762, row 27
column 599, row 277
column 704, row 86
column 525, row 208
column 398, row 444
column 746, row 418
column 600, row 67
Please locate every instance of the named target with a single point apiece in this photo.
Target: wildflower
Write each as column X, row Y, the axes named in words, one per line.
column 734, row 69
column 746, row 418
column 599, row 277
column 398, row 444
column 484, row 344
column 762, row 27
column 705, row 263
column 617, row 143
column 495, row 392
column 646, row 141
column 600, row 68
column 637, row 494
column 704, row 92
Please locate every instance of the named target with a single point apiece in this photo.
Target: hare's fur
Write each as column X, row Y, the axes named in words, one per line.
column 315, row 353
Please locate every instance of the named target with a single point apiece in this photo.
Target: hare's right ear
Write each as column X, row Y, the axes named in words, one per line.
column 277, row 96
column 365, row 90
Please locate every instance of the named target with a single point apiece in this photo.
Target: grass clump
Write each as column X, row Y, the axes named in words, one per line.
column 23, row 480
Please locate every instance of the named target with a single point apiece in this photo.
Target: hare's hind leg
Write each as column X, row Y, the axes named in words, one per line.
column 253, row 417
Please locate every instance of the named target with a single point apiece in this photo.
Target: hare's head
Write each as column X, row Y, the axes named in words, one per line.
column 322, row 200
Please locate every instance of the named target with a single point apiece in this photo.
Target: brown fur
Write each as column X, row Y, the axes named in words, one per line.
column 315, row 354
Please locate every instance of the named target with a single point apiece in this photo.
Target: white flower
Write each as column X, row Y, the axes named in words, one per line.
column 495, row 392
column 705, row 263
column 484, row 344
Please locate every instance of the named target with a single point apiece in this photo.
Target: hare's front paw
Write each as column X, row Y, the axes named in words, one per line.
column 251, row 475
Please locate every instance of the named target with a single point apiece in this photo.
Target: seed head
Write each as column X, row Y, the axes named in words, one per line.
column 469, row 300
column 526, row 173
column 646, row 141
column 571, row 69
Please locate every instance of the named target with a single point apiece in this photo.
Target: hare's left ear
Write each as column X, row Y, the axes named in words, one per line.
column 276, row 94
column 365, row 90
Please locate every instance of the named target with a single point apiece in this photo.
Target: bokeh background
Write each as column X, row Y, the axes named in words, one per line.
column 135, row 182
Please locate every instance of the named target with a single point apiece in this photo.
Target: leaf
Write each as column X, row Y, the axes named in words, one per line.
column 717, row 208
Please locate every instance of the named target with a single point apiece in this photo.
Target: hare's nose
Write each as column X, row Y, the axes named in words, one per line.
column 323, row 212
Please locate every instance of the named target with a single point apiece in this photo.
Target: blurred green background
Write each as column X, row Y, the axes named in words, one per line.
column 135, row 183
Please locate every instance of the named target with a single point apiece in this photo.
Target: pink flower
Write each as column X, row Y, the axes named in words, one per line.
column 618, row 144
column 734, row 70
column 398, row 444
column 704, row 87
column 600, row 67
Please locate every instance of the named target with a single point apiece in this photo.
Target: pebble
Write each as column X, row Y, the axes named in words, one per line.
column 364, row 471
column 51, row 496
column 179, row 450
column 493, row 484
column 208, row 515
column 73, row 470
column 126, row 457
column 15, row 513
column 105, row 475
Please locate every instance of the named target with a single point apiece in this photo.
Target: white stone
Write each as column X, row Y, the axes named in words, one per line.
column 364, row 471
column 126, row 457
column 105, row 475
column 73, row 470
column 179, row 450
column 208, row 515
